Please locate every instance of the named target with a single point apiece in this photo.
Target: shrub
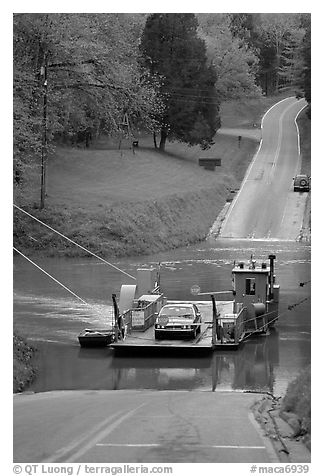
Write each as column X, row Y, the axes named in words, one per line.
column 23, row 370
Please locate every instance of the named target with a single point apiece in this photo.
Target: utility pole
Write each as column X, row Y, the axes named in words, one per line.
column 43, row 73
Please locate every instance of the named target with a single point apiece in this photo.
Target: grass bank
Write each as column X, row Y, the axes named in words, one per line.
column 117, row 203
column 23, row 368
column 248, row 113
column 304, row 125
column 296, row 406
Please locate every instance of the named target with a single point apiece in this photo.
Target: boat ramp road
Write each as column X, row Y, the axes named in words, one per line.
column 138, row 426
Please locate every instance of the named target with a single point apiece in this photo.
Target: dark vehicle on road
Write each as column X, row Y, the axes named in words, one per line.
column 301, row 183
column 178, row 320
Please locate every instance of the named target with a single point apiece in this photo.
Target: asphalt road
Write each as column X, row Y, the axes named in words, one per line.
column 266, row 206
column 138, row 427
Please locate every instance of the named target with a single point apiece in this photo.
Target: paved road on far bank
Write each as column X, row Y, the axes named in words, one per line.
column 138, row 427
column 266, row 206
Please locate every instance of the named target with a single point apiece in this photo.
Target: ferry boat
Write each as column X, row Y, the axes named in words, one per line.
column 253, row 310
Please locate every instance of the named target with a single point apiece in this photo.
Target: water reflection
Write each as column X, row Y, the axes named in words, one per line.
column 251, row 368
column 255, row 371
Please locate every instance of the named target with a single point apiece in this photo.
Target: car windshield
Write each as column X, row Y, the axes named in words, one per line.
column 177, row 311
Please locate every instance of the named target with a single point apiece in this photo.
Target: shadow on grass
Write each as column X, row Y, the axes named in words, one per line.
column 182, row 156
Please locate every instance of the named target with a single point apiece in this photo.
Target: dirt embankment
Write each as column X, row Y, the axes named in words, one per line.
column 304, row 125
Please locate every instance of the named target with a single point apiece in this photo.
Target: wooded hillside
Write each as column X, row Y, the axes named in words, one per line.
column 80, row 76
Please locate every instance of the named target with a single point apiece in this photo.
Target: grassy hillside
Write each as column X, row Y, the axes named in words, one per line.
column 119, row 203
column 92, row 178
column 115, row 202
column 248, row 113
column 304, row 125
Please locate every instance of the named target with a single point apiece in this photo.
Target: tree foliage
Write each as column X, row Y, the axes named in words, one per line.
column 235, row 63
column 306, row 56
column 275, row 38
column 173, row 52
column 168, row 72
column 279, row 37
column 93, row 78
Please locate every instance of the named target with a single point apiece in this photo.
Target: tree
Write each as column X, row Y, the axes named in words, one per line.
column 306, row 54
column 275, row 39
column 243, row 26
column 92, row 79
column 173, row 53
column 280, row 35
column 233, row 59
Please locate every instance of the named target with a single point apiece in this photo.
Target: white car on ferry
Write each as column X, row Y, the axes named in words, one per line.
column 178, row 320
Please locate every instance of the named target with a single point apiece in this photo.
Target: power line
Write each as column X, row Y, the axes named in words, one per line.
column 200, row 96
column 193, row 101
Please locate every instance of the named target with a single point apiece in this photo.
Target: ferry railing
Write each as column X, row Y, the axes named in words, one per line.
column 260, row 323
column 239, row 327
column 127, row 316
column 140, row 318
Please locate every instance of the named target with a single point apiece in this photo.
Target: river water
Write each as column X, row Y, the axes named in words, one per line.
column 52, row 318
